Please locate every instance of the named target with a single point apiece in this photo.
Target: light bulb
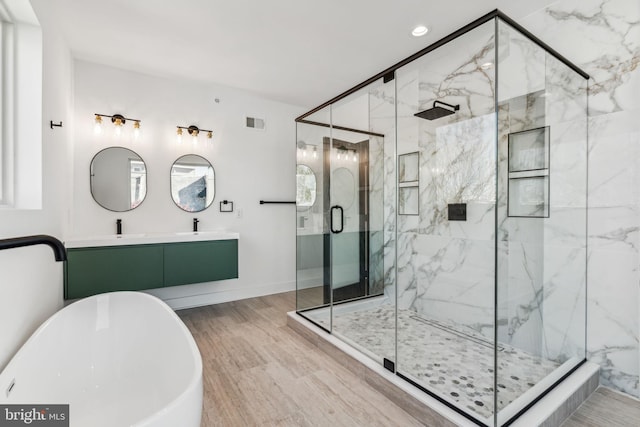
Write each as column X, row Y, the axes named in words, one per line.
column 209, row 134
column 179, row 136
column 195, row 138
column 304, row 153
column 355, row 159
column 97, row 127
column 118, row 130
column 339, row 155
column 136, row 130
column 315, row 153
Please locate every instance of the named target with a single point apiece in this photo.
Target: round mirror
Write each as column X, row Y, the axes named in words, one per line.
column 192, row 183
column 118, row 179
column 343, row 187
column 306, row 187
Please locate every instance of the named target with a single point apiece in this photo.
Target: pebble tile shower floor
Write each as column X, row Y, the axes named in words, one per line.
column 453, row 361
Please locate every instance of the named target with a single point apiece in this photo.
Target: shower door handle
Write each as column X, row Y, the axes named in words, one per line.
column 336, row 231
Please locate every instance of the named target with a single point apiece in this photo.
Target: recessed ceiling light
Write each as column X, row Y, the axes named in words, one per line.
column 420, row 30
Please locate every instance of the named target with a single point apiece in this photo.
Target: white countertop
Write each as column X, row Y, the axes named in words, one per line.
column 148, row 238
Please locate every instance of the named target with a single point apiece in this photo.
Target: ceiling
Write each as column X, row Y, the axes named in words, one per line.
column 300, row 52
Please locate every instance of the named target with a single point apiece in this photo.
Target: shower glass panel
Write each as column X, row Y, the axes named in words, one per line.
column 346, row 239
column 312, row 231
column 442, row 219
column 542, row 220
column 446, row 247
column 363, row 315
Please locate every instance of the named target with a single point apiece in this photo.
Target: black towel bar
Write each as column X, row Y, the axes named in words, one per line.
column 266, row 202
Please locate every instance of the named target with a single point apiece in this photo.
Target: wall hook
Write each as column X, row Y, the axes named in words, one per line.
column 58, row 125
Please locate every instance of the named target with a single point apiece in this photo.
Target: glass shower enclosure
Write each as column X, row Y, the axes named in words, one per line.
column 442, row 219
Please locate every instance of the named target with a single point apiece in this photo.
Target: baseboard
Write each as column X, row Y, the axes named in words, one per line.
column 227, row 295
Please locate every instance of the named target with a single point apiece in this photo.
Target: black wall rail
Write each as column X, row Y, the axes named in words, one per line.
column 59, row 251
column 267, row 202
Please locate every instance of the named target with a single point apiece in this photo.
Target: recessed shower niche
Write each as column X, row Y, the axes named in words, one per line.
column 484, row 314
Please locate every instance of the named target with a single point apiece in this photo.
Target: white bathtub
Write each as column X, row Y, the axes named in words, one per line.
column 118, row 359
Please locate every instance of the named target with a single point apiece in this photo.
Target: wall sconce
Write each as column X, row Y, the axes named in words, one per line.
column 305, row 150
column 118, row 121
column 194, row 131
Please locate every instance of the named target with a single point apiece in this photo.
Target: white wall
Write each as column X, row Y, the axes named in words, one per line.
column 249, row 165
column 31, row 282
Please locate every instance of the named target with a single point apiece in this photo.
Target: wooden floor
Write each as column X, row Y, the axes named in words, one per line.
column 607, row 408
column 258, row 372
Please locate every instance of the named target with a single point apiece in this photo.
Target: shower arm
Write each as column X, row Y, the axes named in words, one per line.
column 453, row 107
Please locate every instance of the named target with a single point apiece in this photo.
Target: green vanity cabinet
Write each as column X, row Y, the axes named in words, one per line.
column 94, row 270
column 196, row 262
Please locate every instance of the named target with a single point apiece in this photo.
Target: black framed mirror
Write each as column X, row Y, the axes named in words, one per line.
column 118, row 179
column 192, row 183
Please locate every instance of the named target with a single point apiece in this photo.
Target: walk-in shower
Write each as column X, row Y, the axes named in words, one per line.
column 452, row 250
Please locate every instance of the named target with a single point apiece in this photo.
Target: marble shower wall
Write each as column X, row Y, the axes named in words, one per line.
column 542, row 261
column 603, row 38
column 445, row 268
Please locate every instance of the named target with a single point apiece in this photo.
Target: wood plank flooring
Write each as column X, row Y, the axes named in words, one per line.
column 259, row 372
column 608, row 408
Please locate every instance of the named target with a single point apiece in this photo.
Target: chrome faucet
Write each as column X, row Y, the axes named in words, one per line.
column 195, row 225
column 118, row 226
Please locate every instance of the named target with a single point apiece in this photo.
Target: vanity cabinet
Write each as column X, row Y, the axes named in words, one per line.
column 94, row 270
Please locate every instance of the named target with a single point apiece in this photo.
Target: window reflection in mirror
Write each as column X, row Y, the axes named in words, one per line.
column 192, row 183
column 306, row 187
column 118, row 178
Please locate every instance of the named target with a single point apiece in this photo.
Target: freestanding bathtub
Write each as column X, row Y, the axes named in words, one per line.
column 118, row 359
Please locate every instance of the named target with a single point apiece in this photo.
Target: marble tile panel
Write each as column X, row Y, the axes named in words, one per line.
column 455, row 281
column 601, row 36
column 613, row 310
column 564, row 302
column 614, row 159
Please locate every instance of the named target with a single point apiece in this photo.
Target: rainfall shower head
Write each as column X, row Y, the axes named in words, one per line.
column 438, row 112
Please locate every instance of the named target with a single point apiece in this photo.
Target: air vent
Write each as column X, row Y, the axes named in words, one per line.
column 254, row 123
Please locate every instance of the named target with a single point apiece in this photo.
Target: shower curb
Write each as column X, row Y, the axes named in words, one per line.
column 550, row 411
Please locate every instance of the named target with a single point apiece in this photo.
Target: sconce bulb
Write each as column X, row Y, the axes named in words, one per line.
column 315, row 153
column 195, row 138
column 118, row 130
column 97, row 128
column 209, row 134
column 338, row 155
column 179, row 136
column 136, row 130
column 355, row 159
column 304, row 153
